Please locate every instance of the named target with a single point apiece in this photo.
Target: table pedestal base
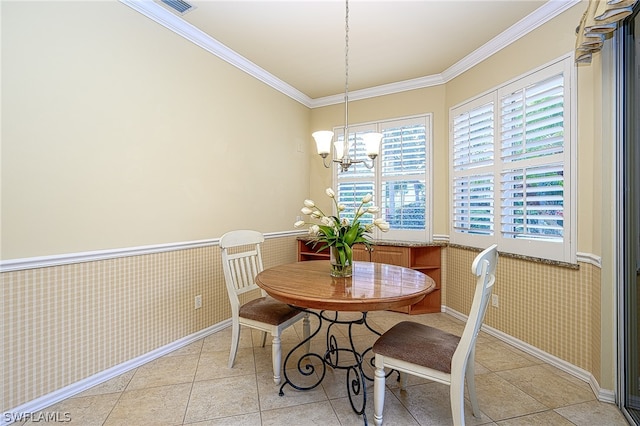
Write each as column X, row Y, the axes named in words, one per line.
column 332, row 357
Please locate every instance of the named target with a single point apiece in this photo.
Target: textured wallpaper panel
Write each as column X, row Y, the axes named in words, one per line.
column 554, row 308
column 63, row 324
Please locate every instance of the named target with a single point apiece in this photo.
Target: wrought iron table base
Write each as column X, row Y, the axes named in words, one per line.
column 356, row 375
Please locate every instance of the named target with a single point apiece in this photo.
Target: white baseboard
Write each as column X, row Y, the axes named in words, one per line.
column 75, row 388
column 603, row 395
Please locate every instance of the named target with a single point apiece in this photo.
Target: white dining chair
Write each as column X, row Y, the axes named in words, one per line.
column 241, row 262
column 433, row 354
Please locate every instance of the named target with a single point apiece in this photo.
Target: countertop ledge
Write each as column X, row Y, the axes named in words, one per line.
column 395, row 243
column 446, row 244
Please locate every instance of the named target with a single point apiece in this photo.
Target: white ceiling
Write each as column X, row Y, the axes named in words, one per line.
column 299, row 46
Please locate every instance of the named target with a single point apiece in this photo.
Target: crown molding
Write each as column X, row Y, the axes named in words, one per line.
column 385, row 89
column 167, row 19
column 538, row 17
column 164, row 17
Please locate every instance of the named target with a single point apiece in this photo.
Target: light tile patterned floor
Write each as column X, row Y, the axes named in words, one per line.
column 193, row 386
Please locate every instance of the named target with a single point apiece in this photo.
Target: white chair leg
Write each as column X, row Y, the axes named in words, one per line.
column 456, row 395
column 306, row 332
column 471, row 385
column 276, row 355
column 378, row 391
column 235, row 338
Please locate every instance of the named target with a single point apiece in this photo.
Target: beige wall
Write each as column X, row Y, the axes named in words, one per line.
column 116, row 132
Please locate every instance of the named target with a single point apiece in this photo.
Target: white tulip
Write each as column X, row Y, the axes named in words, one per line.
column 299, row 223
column 306, row 210
column 373, row 209
column 367, row 198
column 330, row 193
column 341, row 207
column 381, row 224
column 309, row 203
column 326, row 221
column 314, row 229
column 316, row 214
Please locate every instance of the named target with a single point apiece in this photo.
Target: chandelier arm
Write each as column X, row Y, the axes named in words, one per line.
column 367, row 164
column 324, row 161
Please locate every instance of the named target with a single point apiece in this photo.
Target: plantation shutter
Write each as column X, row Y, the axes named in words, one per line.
column 403, row 174
column 473, row 176
column 511, row 166
column 532, row 146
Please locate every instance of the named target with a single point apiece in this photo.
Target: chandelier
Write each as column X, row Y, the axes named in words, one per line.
column 323, row 138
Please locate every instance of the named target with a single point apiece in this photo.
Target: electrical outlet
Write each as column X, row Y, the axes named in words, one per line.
column 494, row 300
column 198, row 301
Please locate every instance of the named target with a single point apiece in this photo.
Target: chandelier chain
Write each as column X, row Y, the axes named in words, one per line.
column 346, row 77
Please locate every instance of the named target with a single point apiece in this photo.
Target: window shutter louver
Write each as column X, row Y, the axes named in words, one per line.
column 533, row 121
column 473, row 204
column 473, row 138
column 350, row 194
column 403, row 150
column 532, row 203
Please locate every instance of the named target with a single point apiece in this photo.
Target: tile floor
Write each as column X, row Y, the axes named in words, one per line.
column 193, row 386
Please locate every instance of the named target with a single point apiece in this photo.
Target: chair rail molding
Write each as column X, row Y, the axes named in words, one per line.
column 91, row 256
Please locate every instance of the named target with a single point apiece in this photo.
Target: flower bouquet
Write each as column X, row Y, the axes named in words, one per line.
column 338, row 233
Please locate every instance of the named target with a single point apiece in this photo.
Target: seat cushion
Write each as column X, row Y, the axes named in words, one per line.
column 267, row 310
column 418, row 344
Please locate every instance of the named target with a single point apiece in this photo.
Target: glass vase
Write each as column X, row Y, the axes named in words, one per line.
column 341, row 262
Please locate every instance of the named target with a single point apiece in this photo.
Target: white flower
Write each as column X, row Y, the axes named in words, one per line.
column 373, row 209
column 341, row 207
column 367, row 198
column 298, row 224
column 306, row 210
column 330, row 193
column 326, row 221
column 309, row 203
column 381, row 224
column 316, row 214
column 344, row 222
column 314, row 229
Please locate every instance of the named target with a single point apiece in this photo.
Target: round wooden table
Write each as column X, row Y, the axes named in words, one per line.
column 373, row 286
column 308, row 286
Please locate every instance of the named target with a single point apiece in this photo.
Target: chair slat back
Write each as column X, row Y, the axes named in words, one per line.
column 243, row 268
column 241, row 261
column 484, row 267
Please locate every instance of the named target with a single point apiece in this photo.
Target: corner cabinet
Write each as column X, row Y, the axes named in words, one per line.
column 423, row 258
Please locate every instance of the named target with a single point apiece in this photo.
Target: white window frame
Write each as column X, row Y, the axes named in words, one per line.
column 422, row 235
column 564, row 251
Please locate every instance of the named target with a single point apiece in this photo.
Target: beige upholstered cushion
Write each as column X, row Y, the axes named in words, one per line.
column 418, row 344
column 267, row 310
